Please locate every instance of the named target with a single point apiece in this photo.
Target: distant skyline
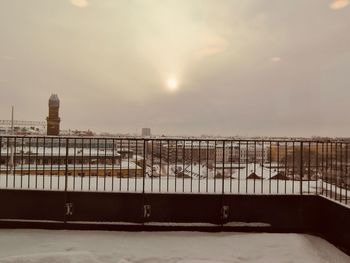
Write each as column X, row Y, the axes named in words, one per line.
column 251, row 68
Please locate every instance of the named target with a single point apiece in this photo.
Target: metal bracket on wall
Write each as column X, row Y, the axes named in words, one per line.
column 69, row 209
column 225, row 212
column 146, row 211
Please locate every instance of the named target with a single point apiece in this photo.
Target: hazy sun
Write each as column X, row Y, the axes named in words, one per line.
column 172, row 84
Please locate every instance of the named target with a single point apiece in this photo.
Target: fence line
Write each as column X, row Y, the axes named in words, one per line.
column 176, row 165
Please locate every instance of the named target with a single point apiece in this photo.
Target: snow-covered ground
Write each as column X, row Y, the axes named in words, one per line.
column 50, row 246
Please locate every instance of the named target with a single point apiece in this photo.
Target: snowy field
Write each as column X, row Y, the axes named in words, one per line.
column 43, row 246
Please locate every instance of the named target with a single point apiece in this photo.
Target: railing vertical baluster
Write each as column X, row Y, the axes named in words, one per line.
column 74, row 163
column 36, row 163
column 121, row 163
column 254, row 166
column 331, row 170
column 286, row 174
column 105, row 166
column 14, row 160
column 322, row 167
column 199, row 167
column 89, row 183
column 191, row 161
column 152, row 165
column 29, row 164
column 223, row 167
column 309, row 169
column 231, row 161
column 215, row 160
column 239, row 166
column 97, row 162
column 82, row 163
column 159, row 153
column 293, row 166
column 207, row 168
column 317, row 168
column 128, row 152
column 113, row 162
column 60, row 163
column 327, row 169
column 335, row 174
column 4, row 159
column 51, row 162
column 340, row 178
column 346, row 172
column 136, row 165
column 270, row 167
column 168, row 166
column 66, row 167
column 278, row 166
column 144, row 167
column 22, row 161
column 183, row 165
column 246, row 167
column 44, row 160
column 262, row 166
column 8, row 160
column 1, row 161
column 176, row 170
column 301, row 167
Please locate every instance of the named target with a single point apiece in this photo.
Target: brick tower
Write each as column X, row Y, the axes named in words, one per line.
column 53, row 120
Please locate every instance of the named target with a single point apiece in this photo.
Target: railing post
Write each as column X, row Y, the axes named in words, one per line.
column 223, row 167
column 66, row 168
column 224, row 208
column 68, row 206
column 144, row 166
column 301, row 168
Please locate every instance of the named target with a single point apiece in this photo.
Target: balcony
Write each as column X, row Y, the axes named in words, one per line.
column 299, row 186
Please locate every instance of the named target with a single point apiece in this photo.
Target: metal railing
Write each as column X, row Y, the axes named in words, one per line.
column 168, row 165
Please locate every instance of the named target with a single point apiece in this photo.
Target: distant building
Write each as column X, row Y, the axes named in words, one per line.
column 53, row 120
column 146, row 132
column 51, row 160
column 209, row 151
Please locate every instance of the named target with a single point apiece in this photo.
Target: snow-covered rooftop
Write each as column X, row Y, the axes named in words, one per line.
column 39, row 246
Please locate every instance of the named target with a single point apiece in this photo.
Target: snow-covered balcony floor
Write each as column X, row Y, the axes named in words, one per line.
column 34, row 246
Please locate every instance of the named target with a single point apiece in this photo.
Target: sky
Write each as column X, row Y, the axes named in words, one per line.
column 180, row 67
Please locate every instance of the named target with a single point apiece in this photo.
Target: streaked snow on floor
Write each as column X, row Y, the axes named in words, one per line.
column 49, row 246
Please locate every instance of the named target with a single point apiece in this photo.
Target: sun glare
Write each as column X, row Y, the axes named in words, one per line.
column 172, row 84
column 339, row 4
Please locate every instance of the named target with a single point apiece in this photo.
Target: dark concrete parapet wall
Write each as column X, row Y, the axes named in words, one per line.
column 202, row 212
column 334, row 221
column 283, row 212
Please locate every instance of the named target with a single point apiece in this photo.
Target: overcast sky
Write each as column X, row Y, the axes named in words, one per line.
column 251, row 67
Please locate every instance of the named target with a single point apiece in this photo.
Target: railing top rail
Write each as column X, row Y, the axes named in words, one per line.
column 139, row 138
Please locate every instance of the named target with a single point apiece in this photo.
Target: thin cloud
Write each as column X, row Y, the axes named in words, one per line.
column 275, row 59
column 213, row 45
column 8, row 58
column 339, row 4
column 80, row 3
